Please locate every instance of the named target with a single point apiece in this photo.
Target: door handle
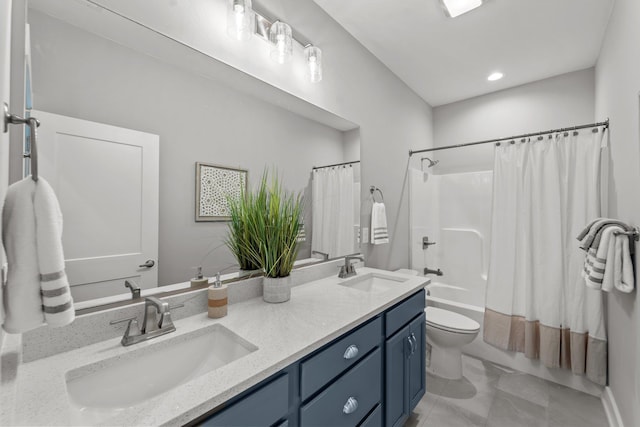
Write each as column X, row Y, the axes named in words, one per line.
column 411, row 346
column 148, row 264
column 415, row 342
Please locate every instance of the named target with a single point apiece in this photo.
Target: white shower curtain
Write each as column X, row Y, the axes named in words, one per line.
column 544, row 194
column 333, row 215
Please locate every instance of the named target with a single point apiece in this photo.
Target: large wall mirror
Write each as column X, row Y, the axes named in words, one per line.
column 127, row 113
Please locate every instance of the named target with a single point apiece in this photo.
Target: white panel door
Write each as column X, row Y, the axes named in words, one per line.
column 106, row 179
column 5, row 66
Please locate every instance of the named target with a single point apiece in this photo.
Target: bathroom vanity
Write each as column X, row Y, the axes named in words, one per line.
column 340, row 352
column 374, row 372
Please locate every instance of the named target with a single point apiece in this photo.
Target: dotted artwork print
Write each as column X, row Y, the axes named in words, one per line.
column 216, row 183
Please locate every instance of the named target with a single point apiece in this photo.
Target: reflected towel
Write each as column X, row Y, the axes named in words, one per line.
column 37, row 290
column 379, row 232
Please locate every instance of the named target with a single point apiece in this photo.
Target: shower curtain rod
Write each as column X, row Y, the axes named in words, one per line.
column 526, row 135
column 337, row 164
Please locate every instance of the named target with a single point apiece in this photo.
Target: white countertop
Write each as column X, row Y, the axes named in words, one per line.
column 317, row 313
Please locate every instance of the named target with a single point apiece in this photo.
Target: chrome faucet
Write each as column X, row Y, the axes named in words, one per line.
column 157, row 322
column 348, row 270
column 437, row 272
column 133, row 286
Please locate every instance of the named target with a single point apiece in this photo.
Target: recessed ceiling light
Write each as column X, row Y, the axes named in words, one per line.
column 495, row 76
column 455, row 8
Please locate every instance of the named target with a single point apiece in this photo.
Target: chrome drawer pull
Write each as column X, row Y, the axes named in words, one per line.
column 350, row 352
column 351, row 406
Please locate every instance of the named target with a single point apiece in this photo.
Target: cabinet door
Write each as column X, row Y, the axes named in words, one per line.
column 417, row 368
column 397, row 351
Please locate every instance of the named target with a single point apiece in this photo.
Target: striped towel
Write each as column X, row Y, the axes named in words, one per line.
column 591, row 235
column 37, row 290
column 379, row 232
column 609, row 265
column 595, row 263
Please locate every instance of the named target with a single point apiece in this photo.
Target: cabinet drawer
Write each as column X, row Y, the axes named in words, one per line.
column 338, row 357
column 374, row 419
column 263, row 407
column 362, row 385
column 401, row 314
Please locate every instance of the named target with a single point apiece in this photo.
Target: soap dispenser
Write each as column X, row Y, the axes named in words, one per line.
column 217, row 299
column 199, row 279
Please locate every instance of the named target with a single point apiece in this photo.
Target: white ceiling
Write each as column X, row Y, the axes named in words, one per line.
column 445, row 60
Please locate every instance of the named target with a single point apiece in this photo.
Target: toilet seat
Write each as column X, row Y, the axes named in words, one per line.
column 449, row 321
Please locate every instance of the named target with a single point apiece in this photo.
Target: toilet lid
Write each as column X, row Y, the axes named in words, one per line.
column 448, row 320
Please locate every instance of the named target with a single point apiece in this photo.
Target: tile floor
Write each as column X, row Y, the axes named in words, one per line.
column 492, row 396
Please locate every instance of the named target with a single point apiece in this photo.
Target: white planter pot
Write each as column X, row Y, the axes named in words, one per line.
column 275, row 290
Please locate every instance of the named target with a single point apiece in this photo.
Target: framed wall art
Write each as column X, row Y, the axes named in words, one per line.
column 214, row 184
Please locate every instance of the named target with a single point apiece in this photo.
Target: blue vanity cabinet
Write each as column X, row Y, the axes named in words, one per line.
column 373, row 375
column 265, row 405
column 405, row 373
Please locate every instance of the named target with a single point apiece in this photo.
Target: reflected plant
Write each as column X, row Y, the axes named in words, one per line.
column 269, row 223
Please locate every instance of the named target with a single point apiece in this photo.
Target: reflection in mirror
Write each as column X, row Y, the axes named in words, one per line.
column 124, row 123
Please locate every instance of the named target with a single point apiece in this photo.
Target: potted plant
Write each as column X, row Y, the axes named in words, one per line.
column 241, row 241
column 273, row 222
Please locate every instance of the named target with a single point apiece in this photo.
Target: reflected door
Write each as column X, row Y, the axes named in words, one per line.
column 106, row 179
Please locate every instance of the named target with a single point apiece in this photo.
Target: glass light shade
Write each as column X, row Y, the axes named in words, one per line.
column 458, row 7
column 240, row 19
column 280, row 36
column 313, row 55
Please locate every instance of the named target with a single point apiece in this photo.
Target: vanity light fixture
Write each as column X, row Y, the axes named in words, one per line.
column 240, row 19
column 243, row 22
column 313, row 55
column 455, row 8
column 282, row 39
column 495, row 76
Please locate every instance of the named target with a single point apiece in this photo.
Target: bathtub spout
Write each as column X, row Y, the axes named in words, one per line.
column 437, row 272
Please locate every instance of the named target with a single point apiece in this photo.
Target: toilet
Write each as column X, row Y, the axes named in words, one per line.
column 447, row 332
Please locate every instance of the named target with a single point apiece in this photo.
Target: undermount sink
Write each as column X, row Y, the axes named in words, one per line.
column 373, row 282
column 124, row 381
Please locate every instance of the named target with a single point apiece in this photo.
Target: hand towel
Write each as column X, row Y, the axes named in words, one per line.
column 379, row 232
column 22, row 300
column 623, row 277
column 56, row 295
column 37, row 290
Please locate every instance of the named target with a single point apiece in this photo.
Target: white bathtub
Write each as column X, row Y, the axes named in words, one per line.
column 461, row 300
column 454, row 298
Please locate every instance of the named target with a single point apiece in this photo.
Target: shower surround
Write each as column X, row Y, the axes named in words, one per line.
column 454, row 210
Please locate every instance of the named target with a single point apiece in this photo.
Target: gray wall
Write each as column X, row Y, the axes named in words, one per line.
column 561, row 101
column 617, row 89
column 355, row 86
column 74, row 75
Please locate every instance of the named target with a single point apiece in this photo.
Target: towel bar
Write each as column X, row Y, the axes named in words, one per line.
column 635, row 233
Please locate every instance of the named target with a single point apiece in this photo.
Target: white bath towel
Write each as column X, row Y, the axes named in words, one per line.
column 32, row 228
column 379, row 232
column 596, row 260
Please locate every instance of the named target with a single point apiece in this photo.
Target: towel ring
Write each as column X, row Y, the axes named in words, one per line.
column 372, row 190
